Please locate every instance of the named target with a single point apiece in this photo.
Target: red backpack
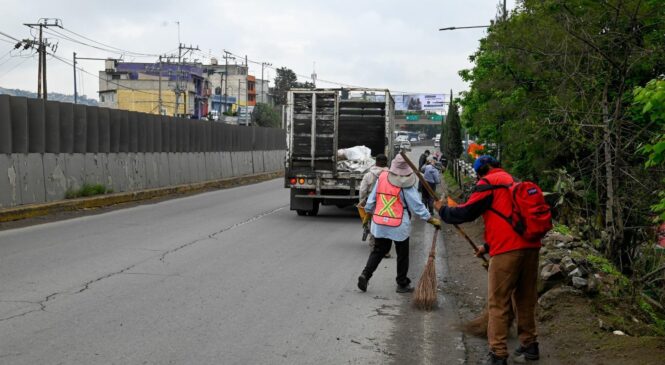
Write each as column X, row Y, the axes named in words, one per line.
column 531, row 217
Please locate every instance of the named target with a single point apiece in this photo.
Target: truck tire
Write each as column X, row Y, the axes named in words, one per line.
column 314, row 210
column 301, row 212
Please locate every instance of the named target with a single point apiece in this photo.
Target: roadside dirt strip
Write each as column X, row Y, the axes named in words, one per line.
column 36, row 210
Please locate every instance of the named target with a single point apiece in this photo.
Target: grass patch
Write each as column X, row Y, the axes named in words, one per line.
column 87, row 190
column 563, row 229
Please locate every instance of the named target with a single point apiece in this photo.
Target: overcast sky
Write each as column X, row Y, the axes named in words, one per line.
column 373, row 43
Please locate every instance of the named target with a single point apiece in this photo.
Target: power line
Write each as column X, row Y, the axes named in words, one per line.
column 15, row 66
column 8, row 36
column 109, row 46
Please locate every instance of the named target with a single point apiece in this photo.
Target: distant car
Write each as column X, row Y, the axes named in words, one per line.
column 401, row 138
column 405, row 145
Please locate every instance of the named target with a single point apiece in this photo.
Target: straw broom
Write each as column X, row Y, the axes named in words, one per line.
column 424, row 296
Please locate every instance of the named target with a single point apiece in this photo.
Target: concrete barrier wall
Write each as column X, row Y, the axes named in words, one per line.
column 45, row 177
column 50, row 148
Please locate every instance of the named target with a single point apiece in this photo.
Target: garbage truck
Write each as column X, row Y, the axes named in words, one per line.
column 332, row 137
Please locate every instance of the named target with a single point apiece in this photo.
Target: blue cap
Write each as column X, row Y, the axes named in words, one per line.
column 482, row 161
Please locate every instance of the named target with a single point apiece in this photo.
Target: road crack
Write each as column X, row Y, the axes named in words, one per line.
column 85, row 286
column 215, row 234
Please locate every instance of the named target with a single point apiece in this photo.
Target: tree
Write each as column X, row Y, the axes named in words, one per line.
column 552, row 87
column 265, row 115
column 284, row 80
column 451, row 139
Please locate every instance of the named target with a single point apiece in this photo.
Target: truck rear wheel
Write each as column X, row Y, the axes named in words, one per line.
column 301, row 212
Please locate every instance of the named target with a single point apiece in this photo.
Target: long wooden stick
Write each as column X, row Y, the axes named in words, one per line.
column 434, row 195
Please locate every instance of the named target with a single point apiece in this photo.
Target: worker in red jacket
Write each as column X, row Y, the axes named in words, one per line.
column 513, row 268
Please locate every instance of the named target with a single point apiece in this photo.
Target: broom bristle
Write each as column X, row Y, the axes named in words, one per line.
column 424, row 296
column 478, row 326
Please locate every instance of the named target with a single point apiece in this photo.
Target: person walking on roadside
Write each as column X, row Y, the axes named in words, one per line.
column 423, row 159
column 392, row 201
column 513, row 267
column 433, row 178
column 366, row 186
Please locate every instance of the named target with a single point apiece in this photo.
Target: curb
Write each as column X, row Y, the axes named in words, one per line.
column 41, row 209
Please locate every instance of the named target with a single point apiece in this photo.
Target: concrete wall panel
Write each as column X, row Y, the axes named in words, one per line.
column 118, row 171
column 31, row 170
column 5, row 127
column 92, row 139
column 19, row 119
column 133, row 132
column 157, row 121
column 150, row 133
column 95, row 168
column 75, row 170
column 55, row 181
column 124, row 131
column 104, row 118
column 36, row 126
column 213, row 165
column 152, row 170
column 52, row 126
column 10, row 188
column 80, row 128
column 257, row 162
column 137, row 173
column 163, row 169
column 175, row 175
column 227, row 165
column 115, row 122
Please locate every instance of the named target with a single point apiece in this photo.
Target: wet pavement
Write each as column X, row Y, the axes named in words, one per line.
column 225, row 277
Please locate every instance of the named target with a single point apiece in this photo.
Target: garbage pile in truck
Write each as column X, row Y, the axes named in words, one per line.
column 355, row 159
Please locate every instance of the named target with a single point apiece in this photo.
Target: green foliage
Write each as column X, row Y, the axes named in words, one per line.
column 563, row 229
column 650, row 100
column 552, row 88
column 451, row 134
column 87, row 190
column 265, row 115
column 284, row 80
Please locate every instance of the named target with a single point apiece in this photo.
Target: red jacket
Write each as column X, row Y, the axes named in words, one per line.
column 499, row 234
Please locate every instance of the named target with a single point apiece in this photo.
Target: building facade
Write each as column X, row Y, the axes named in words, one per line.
column 156, row 88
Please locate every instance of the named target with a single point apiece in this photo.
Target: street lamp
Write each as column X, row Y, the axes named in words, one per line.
column 467, row 27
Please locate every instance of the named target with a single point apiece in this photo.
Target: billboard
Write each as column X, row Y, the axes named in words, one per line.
column 419, row 102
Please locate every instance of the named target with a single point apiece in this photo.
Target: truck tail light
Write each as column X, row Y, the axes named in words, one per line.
column 301, row 181
column 293, row 181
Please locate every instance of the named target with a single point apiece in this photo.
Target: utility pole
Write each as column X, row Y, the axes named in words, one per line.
column 42, row 90
column 161, row 103
column 227, row 56
column 179, row 89
column 263, row 65
column 246, row 91
column 74, row 66
column 238, row 101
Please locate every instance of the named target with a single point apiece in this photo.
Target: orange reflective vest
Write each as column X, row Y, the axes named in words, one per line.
column 389, row 209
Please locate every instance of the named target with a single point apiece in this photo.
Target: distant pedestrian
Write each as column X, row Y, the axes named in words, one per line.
column 423, row 159
column 366, row 186
column 433, row 177
column 513, row 267
column 392, row 201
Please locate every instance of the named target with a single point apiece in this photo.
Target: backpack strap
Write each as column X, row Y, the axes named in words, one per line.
column 489, row 187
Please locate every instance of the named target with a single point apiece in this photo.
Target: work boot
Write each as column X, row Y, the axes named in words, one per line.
column 404, row 289
column 362, row 283
column 529, row 352
column 492, row 359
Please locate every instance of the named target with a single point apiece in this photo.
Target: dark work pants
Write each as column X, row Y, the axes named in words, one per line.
column 381, row 248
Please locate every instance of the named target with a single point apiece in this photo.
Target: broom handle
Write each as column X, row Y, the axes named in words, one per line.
column 434, row 195
column 432, row 251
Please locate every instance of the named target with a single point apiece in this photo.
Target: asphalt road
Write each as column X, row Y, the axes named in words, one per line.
column 224, row 277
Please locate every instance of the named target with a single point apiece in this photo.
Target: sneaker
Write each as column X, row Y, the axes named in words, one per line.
column 362, row 283
column 404, row 289
column 495, row 360
column 530, row 352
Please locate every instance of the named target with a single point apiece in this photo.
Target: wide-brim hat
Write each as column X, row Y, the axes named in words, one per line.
column 400, row 167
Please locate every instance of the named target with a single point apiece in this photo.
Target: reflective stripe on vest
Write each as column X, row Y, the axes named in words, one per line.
column 389, row 209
